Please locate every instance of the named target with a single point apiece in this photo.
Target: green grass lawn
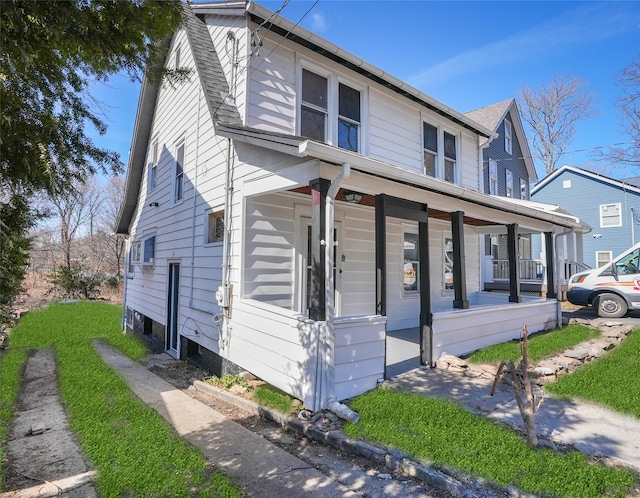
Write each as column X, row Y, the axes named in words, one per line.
column 541, row 345
column 442, row 433
column 133, row 449
column 613, row 380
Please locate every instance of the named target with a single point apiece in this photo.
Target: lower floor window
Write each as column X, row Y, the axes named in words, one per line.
column 448, row 263
column 602, row 258
column 411, row 267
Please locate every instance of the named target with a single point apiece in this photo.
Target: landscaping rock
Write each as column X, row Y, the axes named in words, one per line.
column 237, row 389
column 577, row 354
column 546, row 370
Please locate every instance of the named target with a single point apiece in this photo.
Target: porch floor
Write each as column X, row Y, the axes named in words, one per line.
column 403, row 351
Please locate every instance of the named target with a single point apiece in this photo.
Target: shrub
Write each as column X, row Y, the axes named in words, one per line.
column 75, row 281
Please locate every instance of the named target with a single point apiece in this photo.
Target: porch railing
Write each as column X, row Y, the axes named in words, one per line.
column 572, row 267
column 530, row 269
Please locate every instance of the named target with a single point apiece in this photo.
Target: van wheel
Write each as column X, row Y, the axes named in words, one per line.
column 610, row 306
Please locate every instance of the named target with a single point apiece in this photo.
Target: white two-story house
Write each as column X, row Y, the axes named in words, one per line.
column 289, row 206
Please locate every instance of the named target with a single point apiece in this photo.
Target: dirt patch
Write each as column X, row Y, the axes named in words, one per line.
column 41, row 447
column 361, row 475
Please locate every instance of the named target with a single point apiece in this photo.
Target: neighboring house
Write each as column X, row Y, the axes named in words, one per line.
column 508, row 171
column 611, row 207
column 290, row 207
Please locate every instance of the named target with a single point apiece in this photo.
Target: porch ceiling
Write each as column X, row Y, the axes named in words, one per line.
column 369, row 200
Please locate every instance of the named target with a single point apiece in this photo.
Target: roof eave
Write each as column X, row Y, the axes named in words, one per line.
column 328, row 49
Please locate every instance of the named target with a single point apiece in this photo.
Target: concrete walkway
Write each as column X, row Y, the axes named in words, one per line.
column 591, row 429
column 260, row 467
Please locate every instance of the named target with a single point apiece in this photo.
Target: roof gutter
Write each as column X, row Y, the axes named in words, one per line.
column 297, row 34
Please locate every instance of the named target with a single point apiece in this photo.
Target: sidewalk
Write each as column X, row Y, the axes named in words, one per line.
column 590, row 428
column 260, row 467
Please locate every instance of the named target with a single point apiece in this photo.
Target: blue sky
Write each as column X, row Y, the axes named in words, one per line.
column 466, row 54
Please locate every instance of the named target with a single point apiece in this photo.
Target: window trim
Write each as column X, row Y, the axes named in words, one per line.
column 610, row 253
column 133, row 257
column 508, row 136
column 138, row 252
column 435, row 153
column 412, row 230
column 217, row 214
column 445, row 238
column 153, row 165
column 600, row 210
column 178, row 178
column 493, row 177
column 524, row 189
column 176, row 61
column 456, row 160
column 339, row 117
column 508, row 183
column 334, row 80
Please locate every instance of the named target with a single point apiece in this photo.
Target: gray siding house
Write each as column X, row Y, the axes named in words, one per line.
column 291, row 209
column 508, row 171
column 611, row 207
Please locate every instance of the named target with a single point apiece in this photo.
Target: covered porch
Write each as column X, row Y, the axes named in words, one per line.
column 346, row 255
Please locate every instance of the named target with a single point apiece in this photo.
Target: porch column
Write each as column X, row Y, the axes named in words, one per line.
column 514, row 264
column 381, row 255
column 550, row 264
column 317, row 296
column 459, row 271
column 426, row 317
column 579, row 247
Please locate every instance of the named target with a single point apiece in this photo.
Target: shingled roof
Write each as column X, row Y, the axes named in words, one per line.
column 216, row 90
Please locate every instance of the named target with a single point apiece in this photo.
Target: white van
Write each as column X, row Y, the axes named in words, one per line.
column 613, row 289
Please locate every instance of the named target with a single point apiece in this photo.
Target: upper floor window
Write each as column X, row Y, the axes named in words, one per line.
column 493, row 177
column 153, row 169
column 507, row 136
column 329, row 119
column 149, row 250
column 179, row 174
column 523, row 189
column 314, row 108
column 449, row 157
column 430, row 145
column 610, row 215
column 348, row 117
column 177, row 61
column 509, row 183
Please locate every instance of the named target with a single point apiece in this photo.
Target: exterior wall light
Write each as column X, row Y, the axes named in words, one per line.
column 353, row 197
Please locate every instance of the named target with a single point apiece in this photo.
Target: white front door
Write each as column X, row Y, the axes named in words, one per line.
column 304, row 275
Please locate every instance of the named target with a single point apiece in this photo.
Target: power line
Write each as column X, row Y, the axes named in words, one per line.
column 597, row 147
column 283, row 38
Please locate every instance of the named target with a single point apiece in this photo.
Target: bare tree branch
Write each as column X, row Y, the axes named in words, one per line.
column 552, row 112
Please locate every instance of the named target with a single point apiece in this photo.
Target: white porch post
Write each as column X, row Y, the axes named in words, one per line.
column 580, row 248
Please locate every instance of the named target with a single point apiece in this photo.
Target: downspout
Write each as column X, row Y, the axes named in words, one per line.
column 558, row 281
column 195, row 207
column 340, row 409
column 124, row 289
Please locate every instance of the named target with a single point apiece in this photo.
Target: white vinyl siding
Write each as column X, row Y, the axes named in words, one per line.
column 390, row 126
column 610, row 215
